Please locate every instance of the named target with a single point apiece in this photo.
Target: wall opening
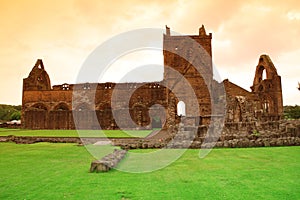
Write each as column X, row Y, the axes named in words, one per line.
column 264, row 75
column 181, row 109
column 266, row 106
column 61, row 107
column 156, row 122
column 65, row 86
column 39, row 106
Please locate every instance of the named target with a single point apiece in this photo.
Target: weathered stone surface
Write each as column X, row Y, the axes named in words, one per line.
column 108, row 162
column 89, row 105
column 252, row 119
column 31, row 140
column 267, row 143
column 228, row 139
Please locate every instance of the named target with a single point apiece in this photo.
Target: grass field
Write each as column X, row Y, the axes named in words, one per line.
column 60, row 171
column 74, row 133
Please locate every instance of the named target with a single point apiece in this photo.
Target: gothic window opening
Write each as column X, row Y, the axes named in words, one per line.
column 181, row 109
column 264, row 75
column 261, row 74
column 266, row 106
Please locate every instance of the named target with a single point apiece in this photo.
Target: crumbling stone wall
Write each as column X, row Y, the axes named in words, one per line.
column 268, row 90
column 108, row 162
column 188, row 77
column 55, row 109
column 188, row 70
column 234, row 135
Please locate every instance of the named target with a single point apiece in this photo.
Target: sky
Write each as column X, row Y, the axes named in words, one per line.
column 64, row 32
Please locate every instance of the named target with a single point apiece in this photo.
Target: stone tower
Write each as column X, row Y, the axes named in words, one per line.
column 188, row 70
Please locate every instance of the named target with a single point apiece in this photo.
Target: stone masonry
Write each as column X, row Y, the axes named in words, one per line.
column 154, row 104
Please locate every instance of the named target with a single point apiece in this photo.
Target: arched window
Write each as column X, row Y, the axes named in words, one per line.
column 264, row 75
column 181, row 108
column 266, row 106
column 39, row 106
column 61, row 107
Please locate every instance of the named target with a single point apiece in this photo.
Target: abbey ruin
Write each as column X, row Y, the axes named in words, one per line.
column 155, row 104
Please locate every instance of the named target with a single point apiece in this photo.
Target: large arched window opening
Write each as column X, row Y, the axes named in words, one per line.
column 181, row 109
column 264, row 74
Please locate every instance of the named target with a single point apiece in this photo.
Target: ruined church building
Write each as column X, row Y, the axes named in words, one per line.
column 50, row 107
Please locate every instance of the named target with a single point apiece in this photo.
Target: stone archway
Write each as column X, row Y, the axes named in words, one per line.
column 35, row 117
column 60, row 117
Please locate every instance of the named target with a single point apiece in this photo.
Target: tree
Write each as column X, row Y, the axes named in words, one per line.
column 292, row 112
column 9, row 112
column 15, row 115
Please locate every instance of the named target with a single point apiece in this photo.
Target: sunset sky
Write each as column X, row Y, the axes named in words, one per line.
column 63, row 33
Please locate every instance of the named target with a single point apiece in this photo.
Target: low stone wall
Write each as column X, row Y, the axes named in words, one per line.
column 196, row 144
column 31, row 140
column 139, row 143
column 108, row 162
column 12, row 126
column 250, row 134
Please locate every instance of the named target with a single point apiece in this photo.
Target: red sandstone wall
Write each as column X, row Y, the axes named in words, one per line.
column 187, row 76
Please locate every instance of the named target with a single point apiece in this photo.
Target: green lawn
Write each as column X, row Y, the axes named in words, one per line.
column 60, row 171
column 74, row 133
